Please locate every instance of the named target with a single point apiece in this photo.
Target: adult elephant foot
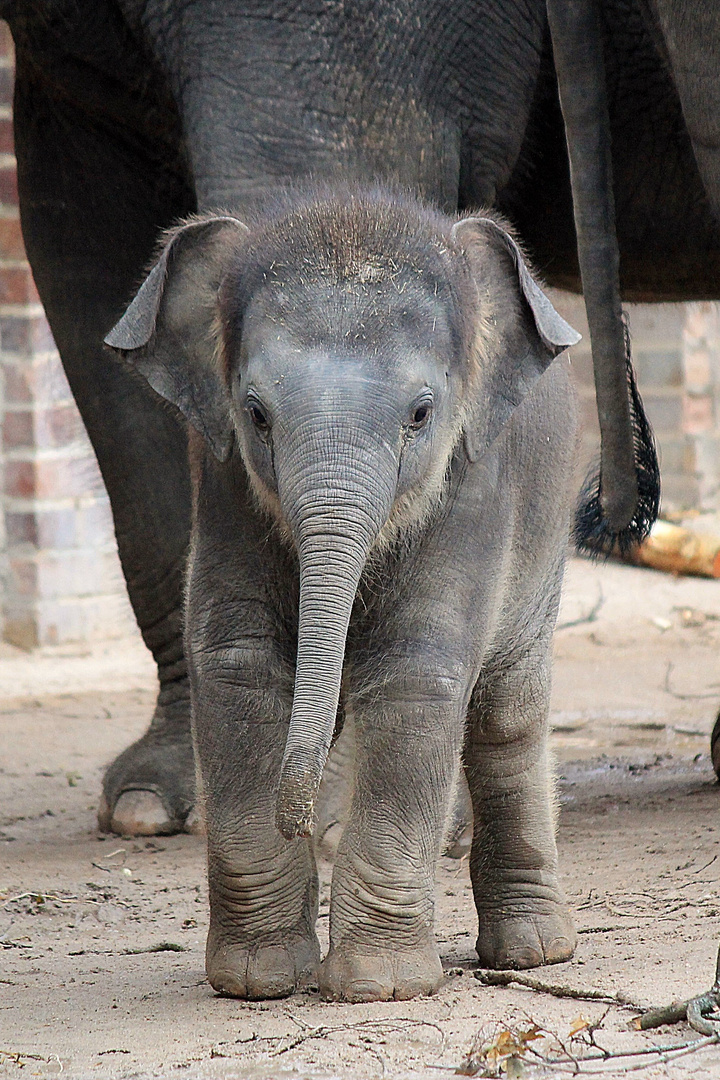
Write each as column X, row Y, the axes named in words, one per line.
column 525, row 933
column 715, row 746
column 149, row 790
column 349, row 974
column 264, row 968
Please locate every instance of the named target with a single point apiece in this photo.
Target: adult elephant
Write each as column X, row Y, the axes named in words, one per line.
column 132, row 113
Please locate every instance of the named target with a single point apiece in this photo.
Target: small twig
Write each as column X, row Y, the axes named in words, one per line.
column 42, row 898
column 590, row 617
column 18, row 1055
column 608, row 929
column 164, row 946
column 383, row 1025
column 505, row 978
column 701, row 868
column 662, row 1055
column 682, row 697
column 106, row 858
column 117, row 851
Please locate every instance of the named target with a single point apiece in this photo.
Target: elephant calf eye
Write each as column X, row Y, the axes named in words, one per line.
column 258, row 417
column 420, row 413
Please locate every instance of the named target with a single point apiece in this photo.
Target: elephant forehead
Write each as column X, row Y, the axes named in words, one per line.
column 282, row 372
column 389, row 315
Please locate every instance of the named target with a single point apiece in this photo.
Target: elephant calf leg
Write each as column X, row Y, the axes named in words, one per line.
column 263, row 907
column 263, row 889
column 523, row 916
column 382, row 944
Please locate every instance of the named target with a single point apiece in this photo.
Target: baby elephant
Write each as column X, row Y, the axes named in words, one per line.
column 381, row 450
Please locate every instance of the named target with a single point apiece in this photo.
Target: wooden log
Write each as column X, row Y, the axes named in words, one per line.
column 679, row 551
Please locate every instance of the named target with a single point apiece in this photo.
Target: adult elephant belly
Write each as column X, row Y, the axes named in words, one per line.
column 667, row 230
column 429, row 95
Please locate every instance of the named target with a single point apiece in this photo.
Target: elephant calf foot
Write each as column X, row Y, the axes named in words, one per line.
column 349, row 974
column 149, row 789
column 263, row 969
column 525, row 934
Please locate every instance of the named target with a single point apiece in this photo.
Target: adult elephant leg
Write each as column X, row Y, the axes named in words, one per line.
column 715, row 746
column 93, row 196
column 382, row 944
column 522, row 913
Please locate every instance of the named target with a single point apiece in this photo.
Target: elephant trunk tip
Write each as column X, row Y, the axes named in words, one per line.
column 295, row 809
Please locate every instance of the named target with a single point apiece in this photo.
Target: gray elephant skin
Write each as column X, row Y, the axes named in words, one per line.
column 381, row 447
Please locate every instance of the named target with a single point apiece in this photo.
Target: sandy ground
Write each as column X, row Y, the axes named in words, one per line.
column 102, row 938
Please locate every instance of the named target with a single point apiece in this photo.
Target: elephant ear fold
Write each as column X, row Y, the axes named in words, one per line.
column 522, row 348
column 167, row 333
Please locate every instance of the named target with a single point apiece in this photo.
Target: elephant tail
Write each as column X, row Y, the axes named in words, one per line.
column 619, row 502
column 590, row 530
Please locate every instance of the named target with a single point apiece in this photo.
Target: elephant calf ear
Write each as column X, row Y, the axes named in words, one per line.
column 167, row 332
column 523, row 352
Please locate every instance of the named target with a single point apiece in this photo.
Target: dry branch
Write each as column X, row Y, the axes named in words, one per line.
column 559, row 990
column 678, row 551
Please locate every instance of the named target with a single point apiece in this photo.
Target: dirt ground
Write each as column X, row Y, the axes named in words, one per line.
column 101, row 965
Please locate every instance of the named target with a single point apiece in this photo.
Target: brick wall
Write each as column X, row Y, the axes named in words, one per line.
column 701, row 401
column 61, row 579
column 676, row 351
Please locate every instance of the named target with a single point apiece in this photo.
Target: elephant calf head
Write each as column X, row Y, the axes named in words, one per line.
column 345, row 348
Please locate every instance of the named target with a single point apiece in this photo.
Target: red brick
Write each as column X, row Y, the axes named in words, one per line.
column 21, row 628
column 7, row 137
column 48, row 530
column 53, row 478
column 19, row 479
column 697, row 414
column 57, row 528
column 46, row 429
column 698, row 369
column 17, row 286
column 21, row 528
column 41, row 381
column 24, row 335
column 58, row 426
column 23, row 577
column 18, row 430
column 8, row 179
column 12, row 245
column 17, row 384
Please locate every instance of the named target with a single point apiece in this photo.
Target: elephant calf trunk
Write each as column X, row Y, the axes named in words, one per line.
column 327, row 593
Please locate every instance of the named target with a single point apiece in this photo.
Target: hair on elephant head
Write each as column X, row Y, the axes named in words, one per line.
column 346, row 347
